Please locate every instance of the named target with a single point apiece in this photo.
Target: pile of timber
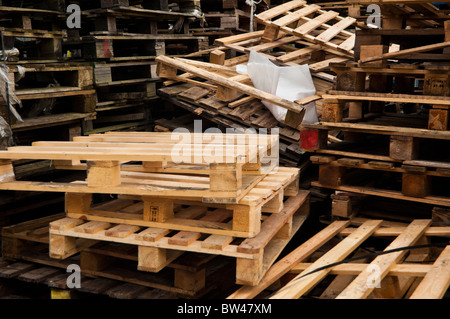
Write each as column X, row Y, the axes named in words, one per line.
column 389, row 114
column 216, row 92
column 232, row 201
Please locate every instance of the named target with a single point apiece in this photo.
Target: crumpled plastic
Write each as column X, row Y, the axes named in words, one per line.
column 289, row 82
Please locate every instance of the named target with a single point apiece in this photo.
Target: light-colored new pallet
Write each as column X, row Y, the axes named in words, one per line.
column 237, row 220
column 158, row 247
column 226, row 163
column 311, row 23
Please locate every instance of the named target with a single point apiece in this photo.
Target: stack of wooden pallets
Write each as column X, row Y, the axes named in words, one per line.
column 52, row 93
column 389, row 112
column 231, row 200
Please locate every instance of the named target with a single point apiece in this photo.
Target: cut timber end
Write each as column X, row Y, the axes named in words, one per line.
column 103, row 173
column 6, row 171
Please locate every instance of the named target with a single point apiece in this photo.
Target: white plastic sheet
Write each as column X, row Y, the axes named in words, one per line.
column 289, row 82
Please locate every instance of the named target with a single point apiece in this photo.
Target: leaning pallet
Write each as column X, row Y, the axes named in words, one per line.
column 311, row 23
column 157, row 247
column 283, row 51
column 410, row 278
column 229, row 85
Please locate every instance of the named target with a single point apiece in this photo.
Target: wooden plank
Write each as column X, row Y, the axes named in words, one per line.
column 293, row 17
column 272, row 13
column 300, row 285
column 335, row 29
column 437, row 280
column 315, row 23
column 273, row 224
column 399, row 54
column 288, row 262
column 359, row 289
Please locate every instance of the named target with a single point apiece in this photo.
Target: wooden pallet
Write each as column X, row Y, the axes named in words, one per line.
column 311, row 23
column 417, row 14
column 156, row 249
column 25, row 247
column 228, row 85
column 112, row 74
column 130, row 20
column 389, row 87
column 404, row 39
column 407, row 181
column 37, row 76
column 30, row 18
column 236, row 220
column 234, row 19
column 45, row 44
column 135, row 47
column 419, row 275
column 160, row 5
column 226, row 182
column 289, row 50
column 391, row 143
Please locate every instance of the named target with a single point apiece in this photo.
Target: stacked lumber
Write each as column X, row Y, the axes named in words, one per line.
column 232, row 201
column 389, row 112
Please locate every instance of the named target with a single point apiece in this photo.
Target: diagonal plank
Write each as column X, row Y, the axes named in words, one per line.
column 290, row 18
column 436, row 282
column 315, row 23
column 287, row 263
column 301, row 285
column 335, row 29
column 276, row 11
column 359, row 288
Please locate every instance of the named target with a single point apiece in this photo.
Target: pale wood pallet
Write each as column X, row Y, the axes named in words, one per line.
column 157, row 248
column 104, row 266
column 237, row 220
column 326, row 28
column 307, row 52
column 233, row 171
column 417, row 276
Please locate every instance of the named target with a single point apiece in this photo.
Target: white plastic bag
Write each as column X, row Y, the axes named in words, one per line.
column 289, row 82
